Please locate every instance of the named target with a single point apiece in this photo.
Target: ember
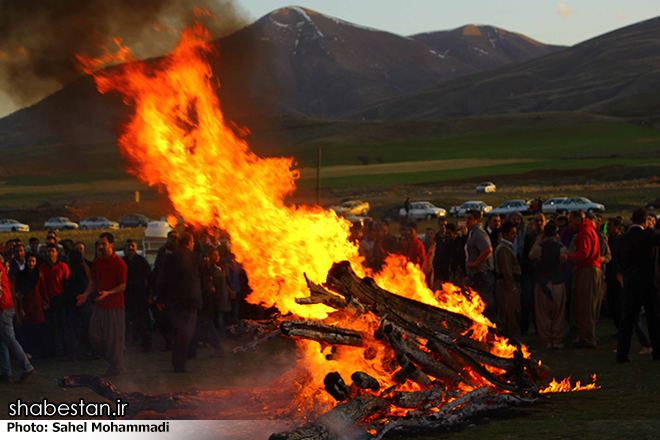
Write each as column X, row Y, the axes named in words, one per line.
column 411, row 352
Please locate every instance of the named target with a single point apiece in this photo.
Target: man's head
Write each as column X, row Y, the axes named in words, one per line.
column 54, row 235
column 450, row 231
column 550, row 230
column 130, row 248
column 494, row 221
column 575, row 219
column 509, row 231
column 539, row 221
column 34, row 244
column 442, row 223
column 10, row 246
column 214, row 256
column 31, row 261
column 562, row 222
column 613, row 226
column 51, row 253
column 172, row 239
column 472, row 218
column 429, row 235
column 516, row 219
column 19, row 252
column 640, row 217
column 80, row 247
column 51, row 240
column 409, row 230
column 187, row 241
column 106, row 244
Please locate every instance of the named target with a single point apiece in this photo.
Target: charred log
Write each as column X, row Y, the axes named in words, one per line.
column 323, row 333
column 336, row 422
column 364, row 381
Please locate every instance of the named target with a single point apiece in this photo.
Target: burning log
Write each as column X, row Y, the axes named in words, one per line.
column 335, row 423
column 415, row 399
column 423, row 360
column 323, row 333
column 364, row 381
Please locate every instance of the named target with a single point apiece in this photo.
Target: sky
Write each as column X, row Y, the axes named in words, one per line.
column 549, row 21
column 552, row 22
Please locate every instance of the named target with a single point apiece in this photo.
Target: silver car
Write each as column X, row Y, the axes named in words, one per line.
column 579, row 203
column 58, row 223
column 478, row 205
column 511, row 206
column 422, row 210
column 550, row 206
column 98, row 223
column 11, row 225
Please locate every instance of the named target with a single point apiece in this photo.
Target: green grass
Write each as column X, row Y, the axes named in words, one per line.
column 522, row 141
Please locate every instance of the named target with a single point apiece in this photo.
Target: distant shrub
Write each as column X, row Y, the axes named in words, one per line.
column 379, row 159
column 364, row 159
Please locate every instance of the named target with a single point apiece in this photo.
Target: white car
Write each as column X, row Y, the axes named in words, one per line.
column 511, row 206
column 578, row 203
column 98, row 223
column 57, row 223
column 486, row 187
column 10, row 225
column 550, row 205
column 478, row 205
column 422, row 210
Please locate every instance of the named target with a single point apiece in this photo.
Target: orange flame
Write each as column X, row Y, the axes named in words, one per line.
column 565, row 386
column 179, row 141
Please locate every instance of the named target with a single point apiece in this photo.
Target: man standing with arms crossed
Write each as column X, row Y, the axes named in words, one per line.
column 107, row 327
column 587, row 276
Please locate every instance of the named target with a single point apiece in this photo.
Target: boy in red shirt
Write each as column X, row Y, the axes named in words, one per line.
column 51, row 285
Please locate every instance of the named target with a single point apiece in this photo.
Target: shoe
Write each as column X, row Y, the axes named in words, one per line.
column 112, row 373
column 5, row 379
column 27, row 375
column 580, row 344
column 646, row 350
column 624, row 360
column 559, row 347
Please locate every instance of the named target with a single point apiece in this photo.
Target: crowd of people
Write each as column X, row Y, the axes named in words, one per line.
column 54, row 303
column 551, row 274
column 556, row 276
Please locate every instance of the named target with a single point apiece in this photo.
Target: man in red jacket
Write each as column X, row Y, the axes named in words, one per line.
column 413, row 248
column 8, row 342
column 587, row 276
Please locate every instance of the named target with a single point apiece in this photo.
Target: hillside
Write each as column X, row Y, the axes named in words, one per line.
column 485, row 47
column 591, row 76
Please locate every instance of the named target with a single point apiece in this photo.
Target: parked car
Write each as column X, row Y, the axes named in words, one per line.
column 478, row 205
column 10, row 225
column 355, row 207
column 511, row 206
column 486, row 187
column 98, row 223
column 653, row 204
column 550, row 205
column 57, row 223
column 422, row 210
column 581, row 203
column 134, row 221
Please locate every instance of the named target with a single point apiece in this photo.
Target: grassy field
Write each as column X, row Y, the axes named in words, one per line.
column 625, row 407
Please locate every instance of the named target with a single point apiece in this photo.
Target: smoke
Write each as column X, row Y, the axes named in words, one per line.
column 38, row 38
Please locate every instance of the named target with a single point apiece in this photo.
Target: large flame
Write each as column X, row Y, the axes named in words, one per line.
column 178, row 140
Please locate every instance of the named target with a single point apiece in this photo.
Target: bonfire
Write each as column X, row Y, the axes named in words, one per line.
column 381, row 352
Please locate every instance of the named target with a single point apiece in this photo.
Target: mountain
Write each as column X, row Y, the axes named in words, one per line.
column 485, row 47
column 609, row 73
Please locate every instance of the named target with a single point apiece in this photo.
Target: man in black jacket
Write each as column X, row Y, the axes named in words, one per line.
column 636, row 268
column 179, row 284
column 136, row 295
